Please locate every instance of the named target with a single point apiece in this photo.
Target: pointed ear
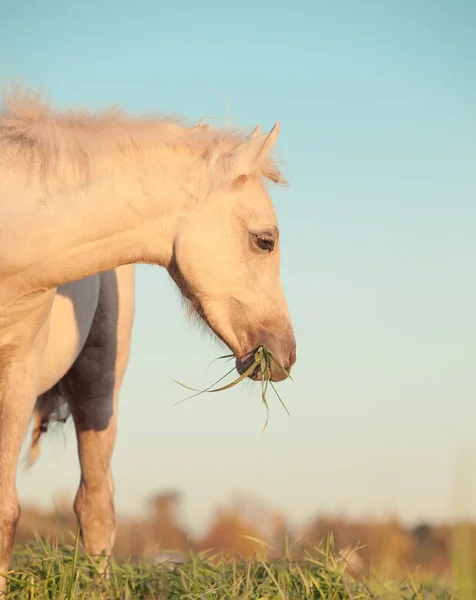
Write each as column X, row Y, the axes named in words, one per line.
column 255, row 133
column 250, row 156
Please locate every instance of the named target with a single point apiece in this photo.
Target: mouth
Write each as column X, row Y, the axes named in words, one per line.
column 245, row 362
column 261, row 364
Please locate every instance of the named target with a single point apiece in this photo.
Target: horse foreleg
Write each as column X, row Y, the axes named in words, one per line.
column 19, row 376
column 17, row 399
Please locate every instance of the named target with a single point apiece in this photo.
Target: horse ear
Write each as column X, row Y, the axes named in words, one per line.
column 255, row 133
column 250, row 155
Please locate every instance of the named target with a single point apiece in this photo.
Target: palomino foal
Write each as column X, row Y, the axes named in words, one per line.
column 84, row 197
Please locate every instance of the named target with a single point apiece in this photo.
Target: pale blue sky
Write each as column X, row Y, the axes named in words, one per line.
column 377, row 104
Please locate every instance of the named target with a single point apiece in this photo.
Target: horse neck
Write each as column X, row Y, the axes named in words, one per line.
column 81, row 231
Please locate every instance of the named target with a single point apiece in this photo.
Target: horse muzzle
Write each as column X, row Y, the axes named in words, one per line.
column 285, row 353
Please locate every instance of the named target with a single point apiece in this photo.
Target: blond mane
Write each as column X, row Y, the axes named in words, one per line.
column 33, row 132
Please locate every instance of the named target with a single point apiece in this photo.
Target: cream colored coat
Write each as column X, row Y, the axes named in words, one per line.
column 84, row 197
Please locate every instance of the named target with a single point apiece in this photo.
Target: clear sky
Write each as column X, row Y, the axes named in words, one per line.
column 377, row 104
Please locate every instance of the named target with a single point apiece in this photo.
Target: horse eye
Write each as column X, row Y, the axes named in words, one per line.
column 265, row 242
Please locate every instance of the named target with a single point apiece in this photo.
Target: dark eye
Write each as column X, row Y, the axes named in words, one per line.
column 265, row 241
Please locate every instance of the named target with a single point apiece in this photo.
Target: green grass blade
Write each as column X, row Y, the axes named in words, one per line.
column 279, row 397
column 200, row 391
column 280, row 366
column 263, row 358
column 236, row 381
column 228, row 357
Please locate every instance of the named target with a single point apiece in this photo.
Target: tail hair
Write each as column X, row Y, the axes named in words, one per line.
column 52, row 406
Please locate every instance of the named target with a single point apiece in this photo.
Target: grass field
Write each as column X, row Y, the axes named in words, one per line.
column 62, row 573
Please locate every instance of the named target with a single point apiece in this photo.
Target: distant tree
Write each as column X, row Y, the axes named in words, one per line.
column 230, row 534
column 164, row 530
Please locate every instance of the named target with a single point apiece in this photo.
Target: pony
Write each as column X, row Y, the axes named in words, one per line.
column 83, row 198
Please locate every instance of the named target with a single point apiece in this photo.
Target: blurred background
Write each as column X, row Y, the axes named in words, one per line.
column 377, row 104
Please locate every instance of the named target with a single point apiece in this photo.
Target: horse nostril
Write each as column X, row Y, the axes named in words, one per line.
column 292, row 357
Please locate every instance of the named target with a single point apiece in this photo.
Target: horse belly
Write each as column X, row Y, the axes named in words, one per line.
column 71, row 316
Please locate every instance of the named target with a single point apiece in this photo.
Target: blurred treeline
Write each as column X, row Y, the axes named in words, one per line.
column 235, row 530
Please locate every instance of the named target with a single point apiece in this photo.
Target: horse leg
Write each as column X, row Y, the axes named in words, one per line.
column 93, row 385
column 21, row 346
column 94, row 502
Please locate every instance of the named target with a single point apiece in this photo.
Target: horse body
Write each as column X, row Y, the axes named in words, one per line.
column 84, row 363
column 82, row 199
column 72, row 314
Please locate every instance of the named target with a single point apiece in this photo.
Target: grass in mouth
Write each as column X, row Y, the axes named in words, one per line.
column 262, row 360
